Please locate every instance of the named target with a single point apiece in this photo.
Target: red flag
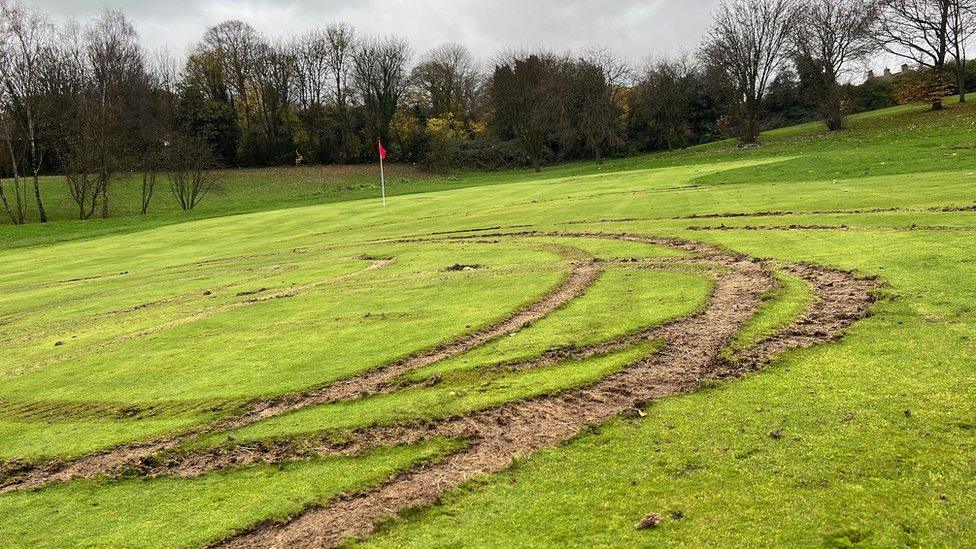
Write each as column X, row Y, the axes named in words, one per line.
column 382, row 150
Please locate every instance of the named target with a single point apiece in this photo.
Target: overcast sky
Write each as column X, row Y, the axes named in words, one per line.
column 635, row 29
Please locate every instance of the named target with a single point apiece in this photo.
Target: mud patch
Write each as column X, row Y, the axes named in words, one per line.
column 457, row 268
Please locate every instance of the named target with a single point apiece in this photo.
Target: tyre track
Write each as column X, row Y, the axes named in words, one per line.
column 17, row 476
column 499, row 436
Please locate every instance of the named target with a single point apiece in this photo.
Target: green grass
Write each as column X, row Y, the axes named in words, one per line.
column 782, row 305
column 130, row 328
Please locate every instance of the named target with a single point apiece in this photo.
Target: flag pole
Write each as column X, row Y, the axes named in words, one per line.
column 383, row 182
column 382, row 151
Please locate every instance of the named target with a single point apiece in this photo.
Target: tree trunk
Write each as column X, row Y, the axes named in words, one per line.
column 834, row 118
column 750, row 131
column 105, row 200
column 41, row 212
column 961, row 80
column 6, row 206
column 536, row 165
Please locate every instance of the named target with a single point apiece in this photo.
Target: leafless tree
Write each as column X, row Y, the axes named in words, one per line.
column 342, row 44
column 26, row 40
column 117, row 77
column 274, row 81
column 237, row 46
column 919, row 31
column 749, row 38
column 448, row 78
column 67, row 82
column 962, row 28
column 830, row 36
column 190, row 170
column 660, row 103
column 312, row 54
column 9, row 164
column 156, row 118
column 382, row 77
column 604, row 77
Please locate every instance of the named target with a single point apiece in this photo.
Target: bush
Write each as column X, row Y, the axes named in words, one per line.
column 877, row 93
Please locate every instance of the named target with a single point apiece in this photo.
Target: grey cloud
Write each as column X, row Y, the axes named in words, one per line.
column 635, row 29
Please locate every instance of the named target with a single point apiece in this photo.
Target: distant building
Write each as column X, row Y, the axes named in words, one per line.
column 905, row 69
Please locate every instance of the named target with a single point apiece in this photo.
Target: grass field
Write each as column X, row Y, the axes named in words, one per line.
column 292, row 350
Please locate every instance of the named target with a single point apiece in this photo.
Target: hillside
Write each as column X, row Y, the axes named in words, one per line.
column 762, row 346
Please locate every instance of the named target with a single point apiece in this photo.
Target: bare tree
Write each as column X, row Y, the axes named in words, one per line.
column 749, row 39
column 156, row 118
column 17, row 212
column 67, row 82
column 382, row 77
column 962, row 28
column 919, row 31
column 190, row 170
column 312, row 54
column 117, row 77
column 831, row 35
column 27, row 35
column 237, row 45
column 660, row 104
column 448, row 77
column 603, row 79
column 274, row 82
column 342, row 44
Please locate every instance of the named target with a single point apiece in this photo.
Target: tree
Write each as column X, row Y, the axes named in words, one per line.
column 67, row 84
column 601, row 80
column 205, row 107
column 342, row 45
column 832, row 34
column 156, row 115
column 236, row 46
column 190, row 165
column 521, row 98
column 919, row 31
column 117, row 78
column 962, row 27
column 275, row 86
column 26, row 41
column 448, row 77
column 748, row 39
column 660, row 105
column 10, row 155
column 382, row 77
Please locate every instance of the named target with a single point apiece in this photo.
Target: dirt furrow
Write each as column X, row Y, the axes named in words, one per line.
column 15, row 476
column 503, row 434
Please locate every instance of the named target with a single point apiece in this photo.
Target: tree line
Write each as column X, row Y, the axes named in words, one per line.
column 89, row 102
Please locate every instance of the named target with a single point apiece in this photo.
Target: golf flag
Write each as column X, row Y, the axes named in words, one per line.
column 379, row 145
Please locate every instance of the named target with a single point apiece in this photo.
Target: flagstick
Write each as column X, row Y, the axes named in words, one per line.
column 383, row 181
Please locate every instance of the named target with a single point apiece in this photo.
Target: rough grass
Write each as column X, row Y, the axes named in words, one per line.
column 878, row 442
